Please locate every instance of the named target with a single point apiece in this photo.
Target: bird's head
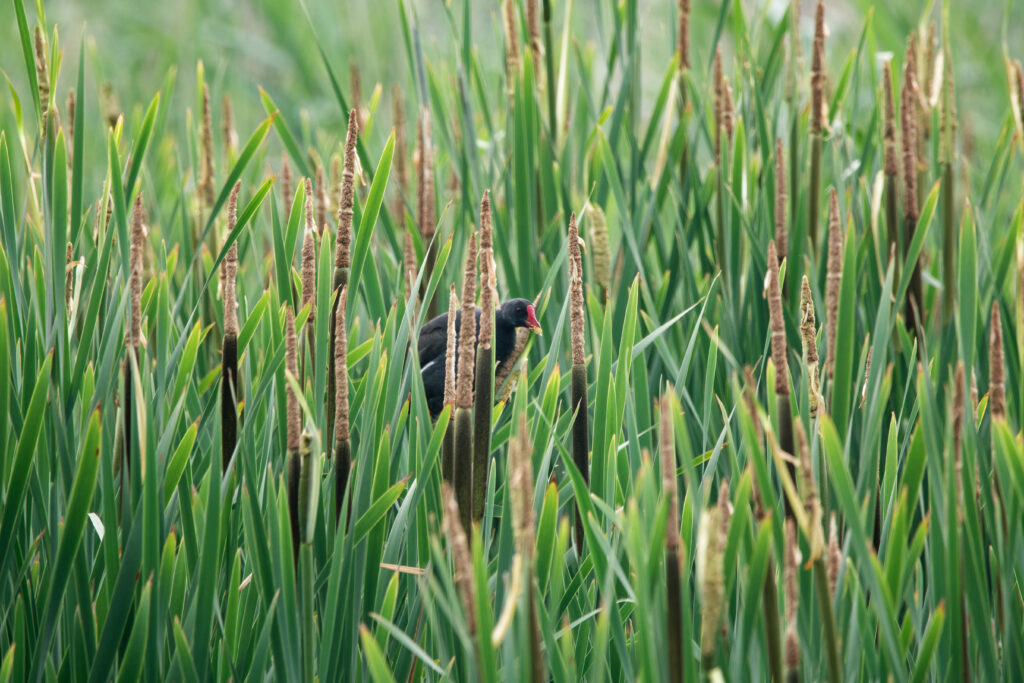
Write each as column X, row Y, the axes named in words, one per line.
column 520, row 313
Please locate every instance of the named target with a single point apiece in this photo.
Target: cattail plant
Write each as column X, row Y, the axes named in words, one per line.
column 673, row 542
column 462, row 561
column 307, row 572
column 520, row 487
column 448, row 446
column 426, row 209
column 229, row 356
column 833, row 279
column 580, row 429
column 356, row 88
column 42, row 78
column 293, row 458
column 342, row 255
column 891, row 166
column 711, row 535
column 228, row 131
column 808, row 334
column 908, row 125
column 599, row 250
column 511, row 46
column 780, row 352
column 342, row 438
column 286, row 181
column 483, row 385
column 781, row 236
column 816, row 540
column 464, row 368
column 206, row 189
column 138, row 241
column 817, row 121
column 792, row 95
column 683, row 34
column 996, row 373
column 791, row 564
column 947, row 154
column 308, row 274
column 533, row 30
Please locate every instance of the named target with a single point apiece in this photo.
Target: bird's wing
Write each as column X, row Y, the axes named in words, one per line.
column 433, row 339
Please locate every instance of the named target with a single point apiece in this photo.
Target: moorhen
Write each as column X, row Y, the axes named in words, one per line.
column 433, row 344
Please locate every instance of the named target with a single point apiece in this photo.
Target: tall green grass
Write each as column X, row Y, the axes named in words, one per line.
column 196, row 564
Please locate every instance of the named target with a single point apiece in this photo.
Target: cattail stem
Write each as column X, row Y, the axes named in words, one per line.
column 771, row 622
column 828, row 618
column 463, row 463
column 580, row 431
column 228, row 400
column 814, row 191
column 817, row 121
column 293, row 458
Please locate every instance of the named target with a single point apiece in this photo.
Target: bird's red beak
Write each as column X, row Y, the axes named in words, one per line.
column 531, row 320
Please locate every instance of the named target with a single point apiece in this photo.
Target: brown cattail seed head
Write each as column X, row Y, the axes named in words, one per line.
column 487, row 278
column 342, row 256
column 291, row 364
column 341, row 369
column 719, row 82
column 600, row 253
column 533, row 29
column 809, row 493
column 449, row 356
column 908, row 123
column 138, row 241
column 781, row 237
column 576, row 293
column 521, row 489
column 111, row 105
column 810, row 346
column 71, row 119
column 996, row 387
column 356, row 87
column 321, row 201
column 1019, row 78
column 835, row 555
column 286, row 181
column 728, row 110
column 711, row 535
column 229, row 269
column 206, row 181
column 461, row 558
column 889, row 123
column 777, row 324
column 467, row 332
column 228, row 128
column 42, row 75
column 683, row 35
column 833, row 278
column 818, row 71
column 426, row 211
column 511, row 45
column 308, row 271
column 669, row 482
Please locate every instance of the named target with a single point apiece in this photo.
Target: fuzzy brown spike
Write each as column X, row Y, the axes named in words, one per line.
column 291, row 364
column 996, row 372
column 777, row 324
column 461, row 559
column 308, row 269
column 781, row 236
column 1019, row 77
column 286, row 182
column 601, row 256
column 889, row 123
column 342, row 255
column 728, row 110
column 135, row 255
column 467, row 332
column 833, row 279
column 791, row 557
column 818, row 71
column 683, row 34
column 928, row 53
column 511, row 45
column 357, row 88
column 449, row 356
column 206, row 189
column 711, row 576
column 808, row 333
column 321, row 200
column 341, row 418
column 908, row 123
column 533, row 30
column 576, row 310
column 487, row 279
column 110, row 104
column 229, row 268
column 228, row 128
column 669, row 480
column 42, row 76
column 719, row 82
column 809, row 493
column 426, row 211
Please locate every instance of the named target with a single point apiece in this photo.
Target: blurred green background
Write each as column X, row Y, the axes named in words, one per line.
column 269, row 43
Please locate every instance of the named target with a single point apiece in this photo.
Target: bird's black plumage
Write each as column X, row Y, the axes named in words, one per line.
column 433, row 344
